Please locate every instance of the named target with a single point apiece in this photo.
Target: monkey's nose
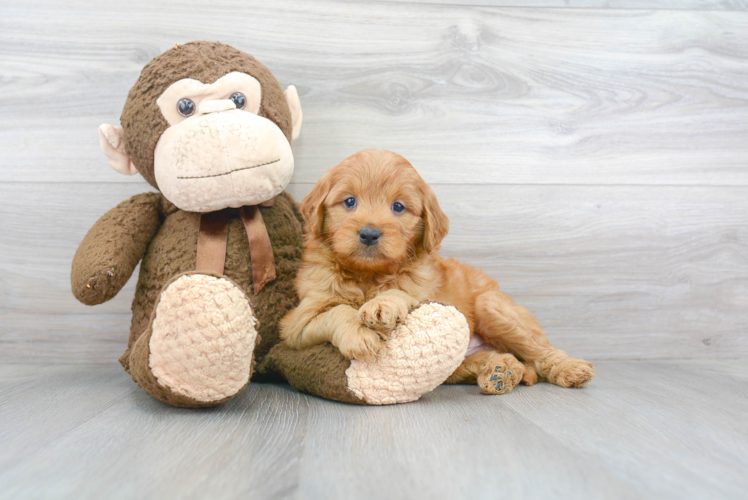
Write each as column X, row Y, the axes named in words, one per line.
column 216, row 106
column 369, row 236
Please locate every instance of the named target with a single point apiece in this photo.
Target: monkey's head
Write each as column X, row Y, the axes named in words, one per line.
column 209, row 126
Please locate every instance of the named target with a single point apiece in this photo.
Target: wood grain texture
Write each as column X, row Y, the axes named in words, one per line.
column 611, row 272
column 667, row 430
column 472, row 94
column 730, row 5
column 141, row 448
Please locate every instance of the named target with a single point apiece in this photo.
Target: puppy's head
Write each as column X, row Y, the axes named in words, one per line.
column 374, row 212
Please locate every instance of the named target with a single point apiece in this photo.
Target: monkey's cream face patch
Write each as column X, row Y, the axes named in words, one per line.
column 219, row 156
column 198, row 92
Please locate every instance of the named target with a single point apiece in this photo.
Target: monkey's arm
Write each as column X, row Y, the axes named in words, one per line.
column 113, row 247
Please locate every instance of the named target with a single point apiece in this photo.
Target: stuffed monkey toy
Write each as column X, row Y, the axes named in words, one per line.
column 210, row 128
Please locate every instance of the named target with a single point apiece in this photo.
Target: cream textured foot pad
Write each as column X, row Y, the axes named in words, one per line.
column 203, row 338
column 419, row 355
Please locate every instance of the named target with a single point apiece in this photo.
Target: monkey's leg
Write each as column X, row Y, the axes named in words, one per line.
column 197, row 350
column 494, row 372
column 512, row 328
column 418, row 356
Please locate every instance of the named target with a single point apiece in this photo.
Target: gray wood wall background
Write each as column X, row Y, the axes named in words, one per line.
column 592, row 155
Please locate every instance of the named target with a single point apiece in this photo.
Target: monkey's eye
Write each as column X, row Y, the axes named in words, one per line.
column 238, row 99
column 350, row 202
column 398, row 207
column 186, row 107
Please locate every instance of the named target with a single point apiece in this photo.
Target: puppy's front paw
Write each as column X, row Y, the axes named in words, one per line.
column 359, row 343
column 383, row 313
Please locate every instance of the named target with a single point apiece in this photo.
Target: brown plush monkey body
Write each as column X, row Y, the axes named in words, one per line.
column 172, row 253
column 173, row 250
column 210, row 128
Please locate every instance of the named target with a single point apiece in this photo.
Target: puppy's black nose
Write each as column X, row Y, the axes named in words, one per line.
column 369, row 236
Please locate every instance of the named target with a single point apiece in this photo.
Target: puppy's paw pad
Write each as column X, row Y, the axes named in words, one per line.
column 496, row 379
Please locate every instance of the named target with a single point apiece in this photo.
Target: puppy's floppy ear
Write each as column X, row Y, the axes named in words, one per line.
column 313, row 206
column 435, row 222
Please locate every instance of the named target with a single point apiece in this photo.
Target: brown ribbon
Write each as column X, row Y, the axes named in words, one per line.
column 260, row 248
column 211, row 242
column 213, row 235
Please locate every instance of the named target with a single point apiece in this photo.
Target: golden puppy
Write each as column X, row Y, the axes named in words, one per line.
column 372, row 230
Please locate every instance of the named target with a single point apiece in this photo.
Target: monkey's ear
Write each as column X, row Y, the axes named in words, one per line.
column 111, row 140
column 292, row 96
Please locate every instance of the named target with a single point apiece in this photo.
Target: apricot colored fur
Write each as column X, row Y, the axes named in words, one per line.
column 354, row 295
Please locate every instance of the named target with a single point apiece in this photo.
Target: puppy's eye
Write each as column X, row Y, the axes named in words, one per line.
column 350, row 202
column 398, row 207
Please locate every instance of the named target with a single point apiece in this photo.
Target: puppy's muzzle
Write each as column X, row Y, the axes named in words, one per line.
column 369, row 236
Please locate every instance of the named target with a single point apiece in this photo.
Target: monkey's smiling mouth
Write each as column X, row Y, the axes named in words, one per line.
column 230, row 171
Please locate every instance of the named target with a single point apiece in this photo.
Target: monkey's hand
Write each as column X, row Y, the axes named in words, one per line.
column 108, row 254
column 385, row 311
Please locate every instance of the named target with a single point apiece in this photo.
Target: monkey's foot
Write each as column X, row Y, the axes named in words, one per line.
column 501, row 374
column 417, row 357
column 202, row 339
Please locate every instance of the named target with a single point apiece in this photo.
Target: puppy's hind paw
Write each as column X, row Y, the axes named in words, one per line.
column 500, row 375
column 572, row 372
column 531, row 376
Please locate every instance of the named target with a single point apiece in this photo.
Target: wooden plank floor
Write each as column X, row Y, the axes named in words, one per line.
column 648, row 429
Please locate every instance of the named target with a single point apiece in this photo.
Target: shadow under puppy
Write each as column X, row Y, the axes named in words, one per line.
column 372, row 231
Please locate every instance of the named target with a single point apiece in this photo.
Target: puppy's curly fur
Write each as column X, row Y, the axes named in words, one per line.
column 373, row 228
